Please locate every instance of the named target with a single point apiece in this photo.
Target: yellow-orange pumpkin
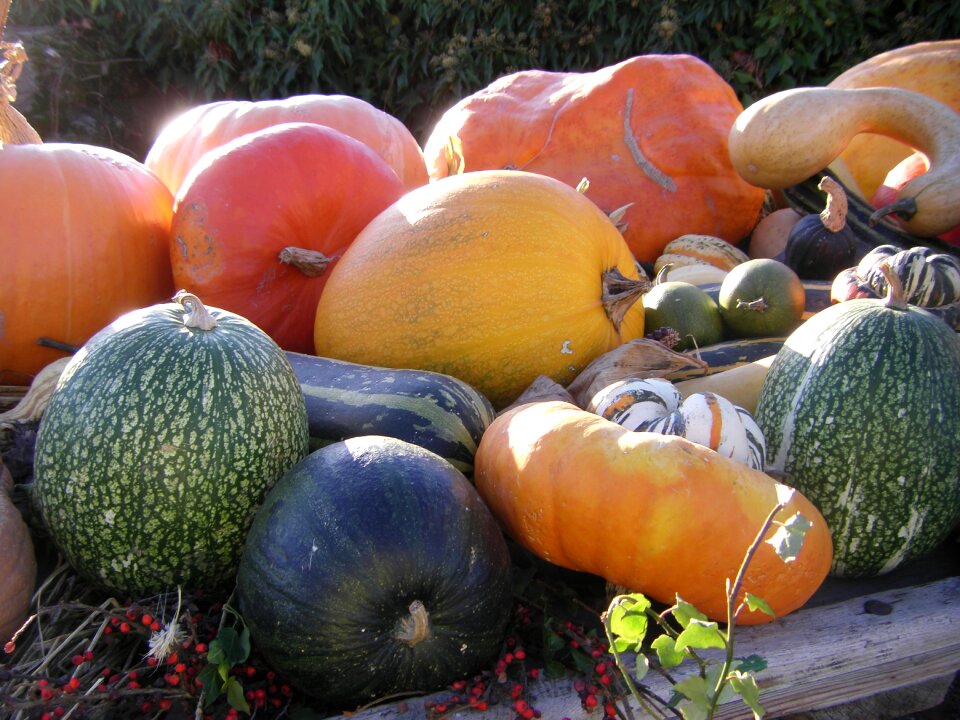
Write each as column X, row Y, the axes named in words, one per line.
column 83, row 240
column 650, row 131
column 655, row 513
column 494, row 277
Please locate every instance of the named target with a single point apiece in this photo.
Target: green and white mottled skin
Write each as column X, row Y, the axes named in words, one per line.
column 160, row 443
column 861, row 413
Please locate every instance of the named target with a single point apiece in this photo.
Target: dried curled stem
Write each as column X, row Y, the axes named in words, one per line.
column 14, row 128
column 196, row 315
column 415, row 627
column 834, row 215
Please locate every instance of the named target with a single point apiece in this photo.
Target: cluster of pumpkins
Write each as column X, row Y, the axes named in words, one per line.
column 514, row 244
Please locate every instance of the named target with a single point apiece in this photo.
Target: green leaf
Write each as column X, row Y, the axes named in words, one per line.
column 667, row 652
column 684, row 612
column 695, row 689
column 788, row 539
column 235, row 695
column 746, row 686
column 641, row 667
column 212, row 685
column 701, row 634
column 758, row 603
column 629, row 624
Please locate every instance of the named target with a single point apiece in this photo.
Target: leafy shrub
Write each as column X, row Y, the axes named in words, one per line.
column 415, row 58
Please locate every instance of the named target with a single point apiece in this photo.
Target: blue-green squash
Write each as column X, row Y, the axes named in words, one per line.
column 430, row 409
column 374, row 567
column 861, row 413
column 160, row 441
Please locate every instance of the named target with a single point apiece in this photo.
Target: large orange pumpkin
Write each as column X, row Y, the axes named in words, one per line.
column 650, row 131
column 185, row 139
column 494, row 277
column 260, row 221
column 931, row 68
column 83, row 239
column 655, row 513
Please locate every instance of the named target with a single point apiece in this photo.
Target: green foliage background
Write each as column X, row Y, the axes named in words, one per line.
column 111, row 71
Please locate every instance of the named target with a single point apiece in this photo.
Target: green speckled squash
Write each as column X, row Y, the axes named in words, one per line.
column 374, row 567
column 861, row 412
column 160, row 441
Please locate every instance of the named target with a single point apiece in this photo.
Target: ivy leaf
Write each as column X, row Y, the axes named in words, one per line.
column 641, row 667
column 629, row 624
column 746, row 686
column 212, row 685
column 667, row 652
column 788, row 539
column 694, row 688
column 758, row 603
column 235, row 695
column 701, row 634
column 684, row 612
column 229, row 647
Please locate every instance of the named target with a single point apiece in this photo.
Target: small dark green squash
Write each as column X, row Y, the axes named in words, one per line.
column 821, row 245
column 163, row 435
column 861, row 413
column 374, row 567
column 430, row 409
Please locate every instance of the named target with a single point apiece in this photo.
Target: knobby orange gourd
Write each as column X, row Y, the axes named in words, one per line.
column 649, row 132
column 657, row 514
column 494, row 277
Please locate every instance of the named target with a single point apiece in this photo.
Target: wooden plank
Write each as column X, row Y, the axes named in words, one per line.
column 818, row 658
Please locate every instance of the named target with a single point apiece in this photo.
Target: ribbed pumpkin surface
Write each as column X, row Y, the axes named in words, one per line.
column 494, row 277
column 158, row 445
column 861, row 411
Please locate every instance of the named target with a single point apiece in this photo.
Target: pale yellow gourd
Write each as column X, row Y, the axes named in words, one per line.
column 789, row 136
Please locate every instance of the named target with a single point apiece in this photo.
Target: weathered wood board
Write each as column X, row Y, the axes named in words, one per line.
column 835, row 656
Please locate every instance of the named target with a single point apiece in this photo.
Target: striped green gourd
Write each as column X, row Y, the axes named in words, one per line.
column 430, row 409
column 861, row 413
column 161, row 439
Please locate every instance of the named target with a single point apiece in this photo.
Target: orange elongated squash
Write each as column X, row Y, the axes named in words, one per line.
column 657, row 514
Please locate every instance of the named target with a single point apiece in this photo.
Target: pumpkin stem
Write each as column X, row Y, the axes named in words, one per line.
column 196, row 314
column 905, row 207
column 415, row 627
column 894, row 299
column 616, row 217
column 33, row 404
column 620, row 293
column 834, row 215
column 14, row 128
column 758, row 305
column 311, row 263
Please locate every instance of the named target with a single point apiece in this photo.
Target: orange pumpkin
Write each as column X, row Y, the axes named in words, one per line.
column 83, row 240
column 18, row 563
column 657, row 514
column 260, row 221
column 650, row 132
column 931, row 68
column 494, row 277
column 184, row 140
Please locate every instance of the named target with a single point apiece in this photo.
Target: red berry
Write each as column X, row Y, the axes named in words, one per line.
column 201, row 647
column 151, row 661
column 165, row 704
column 155, row 626
column 172, row 659
column 147, row 619
column 590, row 701
column 520, row 654
column 124, row 627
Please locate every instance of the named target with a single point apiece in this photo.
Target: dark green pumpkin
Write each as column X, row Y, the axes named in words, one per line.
column 374, row 567
column 861, row 413
column 160, row 442
column 430, row 409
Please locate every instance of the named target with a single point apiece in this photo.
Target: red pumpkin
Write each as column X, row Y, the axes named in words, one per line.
column 83, row 241
column 902, row 173
column 184, row 140
column 650, row 132
column 260, row 221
